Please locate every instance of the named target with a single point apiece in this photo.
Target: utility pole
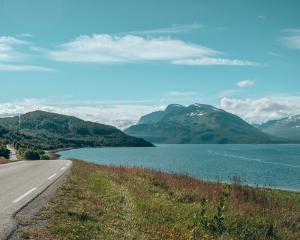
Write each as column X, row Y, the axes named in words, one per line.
column 19, row 122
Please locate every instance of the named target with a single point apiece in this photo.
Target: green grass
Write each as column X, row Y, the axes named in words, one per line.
column 100, row 202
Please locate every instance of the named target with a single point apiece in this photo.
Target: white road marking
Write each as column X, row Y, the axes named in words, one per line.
column 24, row 195
column 63, row 168
column 52, row 176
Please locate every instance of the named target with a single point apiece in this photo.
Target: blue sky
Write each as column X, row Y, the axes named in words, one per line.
column 113, row 61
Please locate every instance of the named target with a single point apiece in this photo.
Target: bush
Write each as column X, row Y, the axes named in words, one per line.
column 31, row 155
column 45, row 157
column 215, row 224
column 4, row 152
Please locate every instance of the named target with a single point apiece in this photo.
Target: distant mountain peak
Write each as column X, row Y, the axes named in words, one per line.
column 174, row 107
column 196, row 123
column 199, row 105
column 288, row 128
column 204, row 106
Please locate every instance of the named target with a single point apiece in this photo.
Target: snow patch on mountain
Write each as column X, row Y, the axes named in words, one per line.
column 196, row 114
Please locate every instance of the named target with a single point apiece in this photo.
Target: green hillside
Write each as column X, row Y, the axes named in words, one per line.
column 197, row 123
column 45, row 130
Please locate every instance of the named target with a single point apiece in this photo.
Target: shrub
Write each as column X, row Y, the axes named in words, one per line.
column 4, row 152
column 45, row 157
column 31, row 155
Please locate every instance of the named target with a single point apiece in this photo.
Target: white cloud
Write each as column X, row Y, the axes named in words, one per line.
column 118, row 115
column 176, row 28
column 24, row 68
column 103, row 48
column 242, row 85
column 292, row 38
column 214, row 61
column 245, row 83
column 262, row 109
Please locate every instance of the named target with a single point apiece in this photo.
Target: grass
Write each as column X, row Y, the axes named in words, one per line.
column 101, row 202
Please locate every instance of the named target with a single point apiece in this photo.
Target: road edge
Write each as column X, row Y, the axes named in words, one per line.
column 40, row 200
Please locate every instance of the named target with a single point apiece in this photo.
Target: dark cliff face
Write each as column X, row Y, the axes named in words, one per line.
column 197, row 123
column 50, row 130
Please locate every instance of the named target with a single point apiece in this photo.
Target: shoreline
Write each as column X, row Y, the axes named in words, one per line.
column 252, row 185
column 53, row 154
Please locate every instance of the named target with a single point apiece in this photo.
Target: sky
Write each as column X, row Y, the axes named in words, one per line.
column 114, row 61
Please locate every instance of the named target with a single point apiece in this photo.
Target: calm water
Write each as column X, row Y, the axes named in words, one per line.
column 276, row 166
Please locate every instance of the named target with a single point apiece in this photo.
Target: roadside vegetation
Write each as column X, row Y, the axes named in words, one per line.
column 101, row 202
column 4, row 152
column 29, row 152
column 3, row 160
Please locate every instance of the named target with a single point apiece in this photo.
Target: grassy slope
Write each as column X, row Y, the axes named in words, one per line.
column 3, row 160
column 100, row 202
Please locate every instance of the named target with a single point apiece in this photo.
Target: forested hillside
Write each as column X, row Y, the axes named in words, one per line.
column 40, row 131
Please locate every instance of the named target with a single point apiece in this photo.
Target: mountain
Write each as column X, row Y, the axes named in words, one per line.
column 197, row 123
column 288, row 128
column 46, row 130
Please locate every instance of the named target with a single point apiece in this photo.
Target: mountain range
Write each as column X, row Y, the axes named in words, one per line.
column 197, row 123
column 288, row 128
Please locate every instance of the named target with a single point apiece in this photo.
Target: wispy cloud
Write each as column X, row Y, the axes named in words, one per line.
column 240, row 88
column 214, row 61
column 8, row 40
column 108, row 49
column 292, row 38
column 182, row 93
column 26, row 35
column 245, row 83
column 274, row 54
column 174, row 29
column 24, row 68
column 262, row 17
column 262, row 109
column 10, row 48
column 13, row 53
column 228, row 93
column 103, row 48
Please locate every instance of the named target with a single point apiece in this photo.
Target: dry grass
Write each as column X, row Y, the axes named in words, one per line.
column 101, row 202
column 3, row 160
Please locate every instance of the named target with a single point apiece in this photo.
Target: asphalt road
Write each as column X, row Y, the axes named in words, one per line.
column 21, row 182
